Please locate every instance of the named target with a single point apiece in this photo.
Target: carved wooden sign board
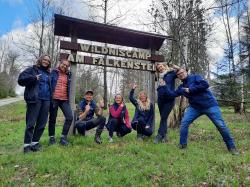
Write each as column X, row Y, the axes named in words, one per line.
column 134, row 59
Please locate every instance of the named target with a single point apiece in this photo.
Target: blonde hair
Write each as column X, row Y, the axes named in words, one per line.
column 164, row 64
column 147, row 103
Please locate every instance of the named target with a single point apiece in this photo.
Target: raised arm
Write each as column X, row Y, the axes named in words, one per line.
column 99, row 108
column 131, row 98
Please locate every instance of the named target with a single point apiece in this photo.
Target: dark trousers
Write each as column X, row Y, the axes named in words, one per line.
column 83, row 126
column 67, row 112
column 36, row 119
column 165, row 109
column 115, row 125
column 140, row 127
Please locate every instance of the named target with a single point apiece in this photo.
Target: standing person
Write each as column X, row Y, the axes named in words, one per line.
column 118, row 119
column 201, row 102
column 86, row 120
column 165, row 103
column 144, row 114
column 37, row 94
column 60, row 83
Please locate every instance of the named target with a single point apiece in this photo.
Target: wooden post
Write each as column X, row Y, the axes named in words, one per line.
column 73, row 69
column 153, row 87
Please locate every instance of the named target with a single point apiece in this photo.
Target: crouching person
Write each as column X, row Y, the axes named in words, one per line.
column 60, row 82
column 118, row 119
column 144, row 114
column 86, row 121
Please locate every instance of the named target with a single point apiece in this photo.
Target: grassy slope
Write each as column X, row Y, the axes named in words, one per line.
column 127, row 162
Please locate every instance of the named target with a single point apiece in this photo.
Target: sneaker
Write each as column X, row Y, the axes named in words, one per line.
column 27, row 149
column 182, row 146
column 52, row 140
column 36, row 147
column 98, row 139
column 234, row 151
column 160, row 139
column 63, row 141
column 111, row 140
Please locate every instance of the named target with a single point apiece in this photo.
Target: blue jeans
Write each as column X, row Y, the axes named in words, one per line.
column 214, row 115
column 67, row 112
column 165, row 109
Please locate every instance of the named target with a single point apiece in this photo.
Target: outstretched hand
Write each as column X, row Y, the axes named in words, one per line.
column 162, row 82
column 134, row 86
column 87, row 107
column 101, row 103
column 38, row 76
column 186, row 90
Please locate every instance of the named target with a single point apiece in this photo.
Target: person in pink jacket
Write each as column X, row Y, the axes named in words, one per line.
column 118, row 119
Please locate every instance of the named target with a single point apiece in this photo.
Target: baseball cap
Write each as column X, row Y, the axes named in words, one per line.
column 89, row 91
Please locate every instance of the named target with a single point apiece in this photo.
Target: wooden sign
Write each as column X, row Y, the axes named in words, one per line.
column 135, row 65
column 140, row 55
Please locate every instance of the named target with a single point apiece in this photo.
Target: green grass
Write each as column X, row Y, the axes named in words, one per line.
column 126, row 162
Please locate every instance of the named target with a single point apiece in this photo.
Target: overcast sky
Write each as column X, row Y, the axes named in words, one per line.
column 14, row 19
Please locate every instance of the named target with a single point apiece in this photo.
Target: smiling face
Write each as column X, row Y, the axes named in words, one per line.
column 45, row 61
column 160, row 67
column 182, row 74
column 88, row 97
column 64, row 65
column 118, row 99
column 143, row 96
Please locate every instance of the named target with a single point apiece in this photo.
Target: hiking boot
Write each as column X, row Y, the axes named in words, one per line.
column 36, row 147
column 52, row 140
column 27, row 149
column 98, row 139
column 139, row 137
column 63, row 141
column 160, row 139
column 98, row 133
column 234, row 151
column 182, row 146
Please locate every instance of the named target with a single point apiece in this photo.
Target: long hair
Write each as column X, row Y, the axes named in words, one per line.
column 115, row 104
column 141, row 105
column 164, row 64
column 39, row 61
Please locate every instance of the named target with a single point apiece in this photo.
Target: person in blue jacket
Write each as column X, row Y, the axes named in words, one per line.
column 37, row 94
column 86, row 121
column 201, row 101
column 165, row 103
column 144, row 114
column 60, row 83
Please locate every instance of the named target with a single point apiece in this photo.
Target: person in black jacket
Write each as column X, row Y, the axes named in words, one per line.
column 37, row 94
column 144, row 114
column 165, row 104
